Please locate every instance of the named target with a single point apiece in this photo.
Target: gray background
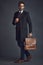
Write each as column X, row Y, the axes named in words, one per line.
column 8, row 44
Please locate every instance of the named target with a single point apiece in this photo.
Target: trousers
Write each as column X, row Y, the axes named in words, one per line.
column 23, row 51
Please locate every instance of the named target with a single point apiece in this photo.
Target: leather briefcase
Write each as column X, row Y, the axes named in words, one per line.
column 30, row 43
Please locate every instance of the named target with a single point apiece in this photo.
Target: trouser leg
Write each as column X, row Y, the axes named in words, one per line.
column 27, row 53
column 21, row 45
column 22, row 53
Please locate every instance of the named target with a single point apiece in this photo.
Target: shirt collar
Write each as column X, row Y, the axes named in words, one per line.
column 21, row 11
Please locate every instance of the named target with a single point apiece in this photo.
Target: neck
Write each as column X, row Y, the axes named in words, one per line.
column 21, row 10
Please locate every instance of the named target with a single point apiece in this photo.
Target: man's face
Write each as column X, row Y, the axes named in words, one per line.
column 21, row 6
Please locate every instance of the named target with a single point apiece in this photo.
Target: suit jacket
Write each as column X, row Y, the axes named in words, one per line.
column 21, row 27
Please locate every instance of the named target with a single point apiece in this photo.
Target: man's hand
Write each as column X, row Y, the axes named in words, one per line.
column 30, row 35
column 17, row 20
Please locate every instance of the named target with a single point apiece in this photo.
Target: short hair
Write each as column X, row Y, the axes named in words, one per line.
column 20, row 2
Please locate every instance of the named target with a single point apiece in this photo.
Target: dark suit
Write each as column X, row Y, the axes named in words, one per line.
column 21, row 27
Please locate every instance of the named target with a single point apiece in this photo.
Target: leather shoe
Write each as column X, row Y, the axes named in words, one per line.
column 19, row 60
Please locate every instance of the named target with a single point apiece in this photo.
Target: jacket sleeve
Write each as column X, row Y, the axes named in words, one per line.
column 29, row 22
column 13, row 22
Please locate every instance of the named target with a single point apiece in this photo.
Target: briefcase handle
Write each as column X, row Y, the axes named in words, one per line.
column 29, row 36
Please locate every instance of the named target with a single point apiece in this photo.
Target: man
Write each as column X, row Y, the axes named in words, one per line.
column 21, row 18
